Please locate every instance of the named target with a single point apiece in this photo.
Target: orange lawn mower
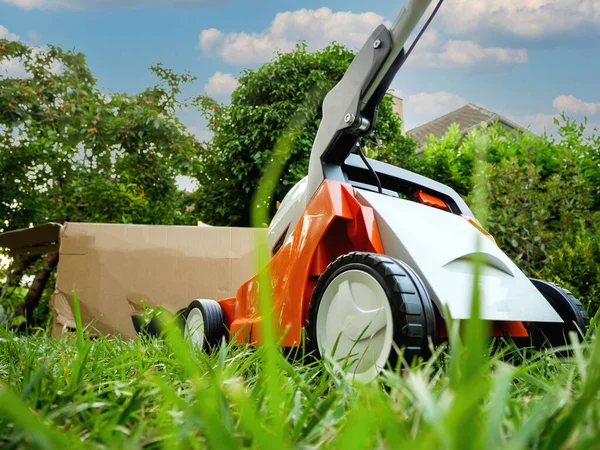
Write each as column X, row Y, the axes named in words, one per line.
column 368, row 258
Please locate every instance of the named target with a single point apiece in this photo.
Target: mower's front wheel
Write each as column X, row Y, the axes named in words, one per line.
column 204, row 327
column 364, row 307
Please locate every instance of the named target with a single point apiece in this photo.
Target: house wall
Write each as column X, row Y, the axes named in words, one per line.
column 398, row 109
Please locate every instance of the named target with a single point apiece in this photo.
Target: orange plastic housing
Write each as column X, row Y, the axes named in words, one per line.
column 431, row 200
column 497, row 329
column 333, row 223
column 473, row 221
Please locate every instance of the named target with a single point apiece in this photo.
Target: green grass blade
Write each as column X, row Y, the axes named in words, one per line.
column 496, row 408
column 567, row 424
column 78, row 323
column 42, row 434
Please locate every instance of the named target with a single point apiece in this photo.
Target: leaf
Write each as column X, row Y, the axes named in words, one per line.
column 17, row 321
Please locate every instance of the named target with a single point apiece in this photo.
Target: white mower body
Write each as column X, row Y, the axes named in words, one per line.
column 441, row 248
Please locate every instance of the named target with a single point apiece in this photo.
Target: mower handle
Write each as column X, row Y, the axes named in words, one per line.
column 403, row 26
column 350, row 107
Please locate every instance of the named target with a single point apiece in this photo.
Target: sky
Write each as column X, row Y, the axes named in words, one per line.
column 528, row 60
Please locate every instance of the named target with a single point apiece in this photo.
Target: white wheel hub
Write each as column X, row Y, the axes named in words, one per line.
column 354, row 318
column 194, row 328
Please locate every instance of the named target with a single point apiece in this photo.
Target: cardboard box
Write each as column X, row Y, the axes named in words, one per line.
column 113, row 268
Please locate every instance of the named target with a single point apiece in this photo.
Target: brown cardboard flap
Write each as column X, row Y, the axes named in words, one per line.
column 34, row 241
column 64, row 317
column 114, row 268
column 63, row 313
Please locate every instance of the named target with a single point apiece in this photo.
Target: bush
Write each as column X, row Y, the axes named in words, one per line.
column 544, row 208
column 282, row 96
column 575, row 266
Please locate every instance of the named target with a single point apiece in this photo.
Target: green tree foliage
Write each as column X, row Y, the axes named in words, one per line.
column 544, row 199
column 262, row 107
column 69, row 152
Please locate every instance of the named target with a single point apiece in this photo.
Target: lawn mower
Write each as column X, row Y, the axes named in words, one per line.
column 368, row 259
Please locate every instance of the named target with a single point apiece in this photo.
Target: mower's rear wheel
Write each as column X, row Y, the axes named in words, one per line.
column 570, row 310
column 156, row 325
column 363, row 308
column 204, row 327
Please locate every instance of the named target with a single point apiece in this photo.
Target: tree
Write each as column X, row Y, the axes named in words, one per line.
column 267, row 100
column 69, row 152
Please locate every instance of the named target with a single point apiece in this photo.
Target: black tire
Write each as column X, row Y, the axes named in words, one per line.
column 412, row 310
column 569, row 309
column 212, row 315
column 155, row 327
column 139, row 325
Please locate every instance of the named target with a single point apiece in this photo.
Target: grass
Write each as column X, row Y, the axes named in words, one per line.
column 77, row 392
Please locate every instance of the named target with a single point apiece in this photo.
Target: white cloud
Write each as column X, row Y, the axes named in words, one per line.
column 97, row 4
column 220, row 84
column 211, row 39
column 11, row 67
column 571, row 104
column 568, row 104
column 425, row 106
column 318, row 27
column 5, row 34
column 321, row 26
column 526, row 18
column 15, row 67
column 430, row 39
column 456, row 53
column 542, row 122
column 538, row 123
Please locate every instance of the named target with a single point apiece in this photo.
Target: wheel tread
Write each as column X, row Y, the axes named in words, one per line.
column 570, row 309
column 413, row 301
column 214, row 328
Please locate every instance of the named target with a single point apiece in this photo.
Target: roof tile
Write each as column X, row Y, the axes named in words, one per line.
column 466, row 117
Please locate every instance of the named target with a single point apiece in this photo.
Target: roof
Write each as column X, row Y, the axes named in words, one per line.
column 467, row 117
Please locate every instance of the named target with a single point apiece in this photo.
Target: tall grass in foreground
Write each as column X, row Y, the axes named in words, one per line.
column 111, row 393
column 76, row 392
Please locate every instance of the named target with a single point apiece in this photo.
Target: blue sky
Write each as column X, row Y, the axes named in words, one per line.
column 525, row 59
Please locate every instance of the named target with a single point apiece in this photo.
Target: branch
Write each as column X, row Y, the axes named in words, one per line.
column 18, row 268
column 32, row 299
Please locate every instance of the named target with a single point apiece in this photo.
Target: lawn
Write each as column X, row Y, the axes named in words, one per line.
column 76, row 392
